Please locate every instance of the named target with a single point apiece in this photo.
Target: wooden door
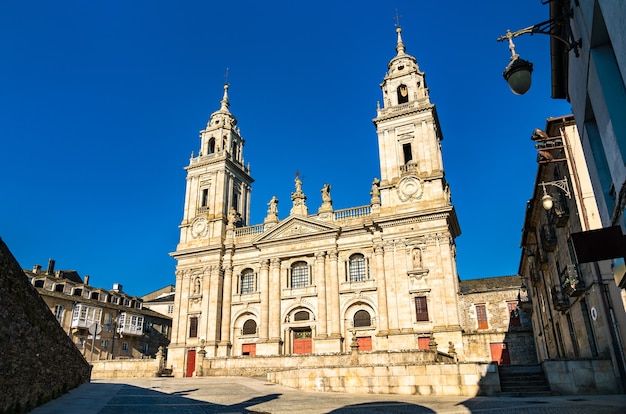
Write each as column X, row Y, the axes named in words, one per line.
column 423, row 343
column 500, row 353
column 365, row 343
column 302, row 342
column 248, row 349
column 191, row 362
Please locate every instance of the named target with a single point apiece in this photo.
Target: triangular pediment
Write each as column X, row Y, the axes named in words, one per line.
column 296, row 227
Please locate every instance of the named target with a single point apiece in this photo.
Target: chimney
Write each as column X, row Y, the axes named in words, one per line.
column 50, row 267
column 86, row 282
column 36, row 269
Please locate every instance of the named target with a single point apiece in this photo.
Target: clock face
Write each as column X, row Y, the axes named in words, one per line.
column 199, row 227
column 410, row 187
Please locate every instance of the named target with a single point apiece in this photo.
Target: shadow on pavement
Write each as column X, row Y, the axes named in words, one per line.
column 132, row 399
column 383, row 407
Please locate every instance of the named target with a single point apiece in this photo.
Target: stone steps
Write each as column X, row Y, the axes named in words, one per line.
column 523, row 381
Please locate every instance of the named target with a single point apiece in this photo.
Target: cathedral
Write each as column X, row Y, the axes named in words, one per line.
column 380, row 276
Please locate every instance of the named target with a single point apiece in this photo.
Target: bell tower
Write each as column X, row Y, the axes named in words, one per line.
column 409, row 139
column 218, row 182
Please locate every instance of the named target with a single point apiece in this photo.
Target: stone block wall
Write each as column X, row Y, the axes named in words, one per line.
column 464, row 379
column 588, row 376
column 261, row 365
column 38, row 361
column 125, row 368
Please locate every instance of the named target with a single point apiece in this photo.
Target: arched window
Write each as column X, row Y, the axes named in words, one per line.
column 362, row 318
column 357, row 267
column 403, row 94
column 301, row 316
column 247, row 281
column 211, row 146
column 249, row 327
column 299, row 275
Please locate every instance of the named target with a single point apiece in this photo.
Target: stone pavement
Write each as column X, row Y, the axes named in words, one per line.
column 255, row 395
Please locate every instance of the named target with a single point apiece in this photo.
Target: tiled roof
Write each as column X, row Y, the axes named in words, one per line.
column 490, row 283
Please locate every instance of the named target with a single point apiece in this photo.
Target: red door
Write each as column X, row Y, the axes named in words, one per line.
column 365, row 343
column 423, row 343
column 500, row 353
column 248, row 349
column 191, row 362
column 302, row 342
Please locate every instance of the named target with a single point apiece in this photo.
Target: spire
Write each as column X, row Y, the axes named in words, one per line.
column 400, row 48
column 225, row 103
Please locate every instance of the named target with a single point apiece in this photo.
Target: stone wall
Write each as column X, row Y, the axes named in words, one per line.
column 125, row 368
column 261, row 365
column 590, row 376
column 38, row 361
column 464, row 379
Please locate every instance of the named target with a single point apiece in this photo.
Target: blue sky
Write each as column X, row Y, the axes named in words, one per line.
column 101, row 103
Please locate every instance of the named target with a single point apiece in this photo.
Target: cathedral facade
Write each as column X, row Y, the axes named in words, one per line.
column 382, row 275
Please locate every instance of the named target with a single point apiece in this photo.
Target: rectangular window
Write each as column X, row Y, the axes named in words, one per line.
column 193, row 327
column 421, row 309
column 108, row 320
column 299, row 276
column 357, row 268
column 170, row 308
column 105, row 344
column 514, row 319
column 408, row 155
column 205, row 197
column 125, row 346
column 481, row 317
column 59, row 311
column 145, row 349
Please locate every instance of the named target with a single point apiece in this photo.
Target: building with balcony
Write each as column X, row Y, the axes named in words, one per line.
column 123, row 327
column 592, row 76
column 577, row 313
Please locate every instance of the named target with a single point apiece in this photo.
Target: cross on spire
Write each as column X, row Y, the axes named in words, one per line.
column 397, row 17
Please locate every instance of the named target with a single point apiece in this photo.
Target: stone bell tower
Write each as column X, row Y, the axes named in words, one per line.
column 409, row 139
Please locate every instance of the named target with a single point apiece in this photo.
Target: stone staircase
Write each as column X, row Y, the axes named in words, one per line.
column 523, row 381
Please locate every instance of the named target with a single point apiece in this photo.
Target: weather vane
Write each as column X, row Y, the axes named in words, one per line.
column 226, row 76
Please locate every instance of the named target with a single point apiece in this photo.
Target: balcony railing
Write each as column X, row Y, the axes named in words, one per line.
column 572, row 283
column 355, row 212
column 560, row 301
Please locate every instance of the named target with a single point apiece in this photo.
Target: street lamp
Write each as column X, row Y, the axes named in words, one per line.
column 518, row 71
column 546, row 200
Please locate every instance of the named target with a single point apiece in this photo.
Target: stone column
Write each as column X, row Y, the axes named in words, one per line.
column 274, row 300
column 265, row 300
column 212, row 314
column 320, row 277
column 381, row 288
column 226, row 311
column 333, row 295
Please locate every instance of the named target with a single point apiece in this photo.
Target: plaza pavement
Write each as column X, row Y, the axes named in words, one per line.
column 255, row 395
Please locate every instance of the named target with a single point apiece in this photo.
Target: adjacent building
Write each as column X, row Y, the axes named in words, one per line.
column 592, row 76
column 496, row 319
column 577, row 313
column 123, row 328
